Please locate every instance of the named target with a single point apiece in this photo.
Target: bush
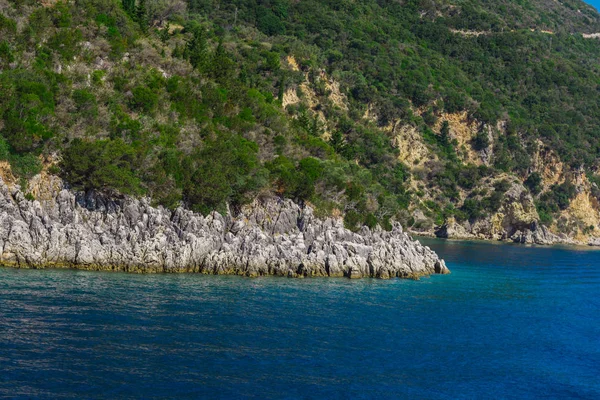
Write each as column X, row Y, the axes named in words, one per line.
column 296, row 182
column 502, row 186
column 268, row 22
column 472, row 209
column 29, row 104
column 534, row 183
column 144, row 99
column 352, row 220
column 6, row 54
column 481, row 141
column 227, row 171
column 85, row 102
column 23, row 166
column 106, row 165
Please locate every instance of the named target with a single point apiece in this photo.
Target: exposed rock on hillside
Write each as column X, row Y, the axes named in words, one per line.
column 517, row 220
column 269, row 237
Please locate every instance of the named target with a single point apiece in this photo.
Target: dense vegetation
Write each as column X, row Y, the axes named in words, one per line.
column 182, row 100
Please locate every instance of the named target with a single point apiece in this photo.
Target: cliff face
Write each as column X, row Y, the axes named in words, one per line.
column 269, row 237
column 515, row 217
column 517, row 220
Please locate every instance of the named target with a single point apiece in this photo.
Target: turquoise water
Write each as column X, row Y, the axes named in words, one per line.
column 510, row 322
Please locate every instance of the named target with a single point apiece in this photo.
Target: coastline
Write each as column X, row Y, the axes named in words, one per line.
column 140, row 270
column 271, row 236
column 507, row 242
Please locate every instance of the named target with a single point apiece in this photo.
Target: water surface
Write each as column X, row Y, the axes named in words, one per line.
column 510, row 322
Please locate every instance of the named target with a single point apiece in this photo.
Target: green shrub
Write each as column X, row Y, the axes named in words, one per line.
column 534, row 183
column 268, row 22
column 28, row 107
column 98, row 77
column 144, row 99
column 353, row 220
column 481, row 141
column 6, row 54
column 85, row 101
column 25, row 166
column 107, row 165
column 227, row 172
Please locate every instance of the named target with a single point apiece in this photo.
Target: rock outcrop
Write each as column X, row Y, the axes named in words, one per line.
column 269, row 237
column 516, row 220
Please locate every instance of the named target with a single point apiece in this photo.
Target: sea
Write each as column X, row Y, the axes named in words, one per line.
column 510, row 322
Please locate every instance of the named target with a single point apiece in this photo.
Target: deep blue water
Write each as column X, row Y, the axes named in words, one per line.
column 510, row 322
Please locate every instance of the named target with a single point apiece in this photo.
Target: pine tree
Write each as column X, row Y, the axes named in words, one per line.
column 445, row 133
column 197, row 51
column 129, row 7
column 282, row 85
column 222, row 66
column 141, row 13
column 164, row 33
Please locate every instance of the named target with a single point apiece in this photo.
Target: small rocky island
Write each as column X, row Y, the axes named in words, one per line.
column 66, row 229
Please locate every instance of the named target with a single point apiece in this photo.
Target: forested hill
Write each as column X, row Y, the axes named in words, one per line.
column 483, row 114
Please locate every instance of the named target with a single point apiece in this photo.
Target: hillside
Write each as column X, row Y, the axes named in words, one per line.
column 465, row 118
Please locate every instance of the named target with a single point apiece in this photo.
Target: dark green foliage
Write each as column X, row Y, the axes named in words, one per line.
column 28, row 103
column 352, row 220
column 554, row 200
column 534, row 183
column 502, row 186
column 481, row 141
column 442, row 141
column 272, row 61
column 66, row 43
column 201, row 132
column 545, row 213
column 222, row 67
column 227, row 171
column 144, row 98
column 129, row 7
column 85, row 101
column 197, row 48
column 105, row 165
column 472, row 209
column 141, row 14
column 269, row 22
column 24, row 166
column 560, row 195
column 296, row 181
column 6, row 54
column 7, row 25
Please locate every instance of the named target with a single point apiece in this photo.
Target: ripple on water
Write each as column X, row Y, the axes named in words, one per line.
column 510, row 320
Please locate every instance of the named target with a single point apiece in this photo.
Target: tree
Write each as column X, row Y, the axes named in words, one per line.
column 445, row 133
column 534, row 182
column 222, row 66
column 141, row 15
column 129, row 7
column 197, row 49
column 106, row 165
column 269, row 22
column 481, row 141
column 227, row 172
column 144, row 98
column 29, row 105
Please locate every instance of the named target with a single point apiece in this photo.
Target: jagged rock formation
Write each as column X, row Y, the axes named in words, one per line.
column 270, row 237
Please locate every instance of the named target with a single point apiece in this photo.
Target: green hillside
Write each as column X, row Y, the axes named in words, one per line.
column 212, row 103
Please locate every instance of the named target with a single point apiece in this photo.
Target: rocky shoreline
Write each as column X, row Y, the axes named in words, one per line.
column 65, row 229
column 516, row 221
